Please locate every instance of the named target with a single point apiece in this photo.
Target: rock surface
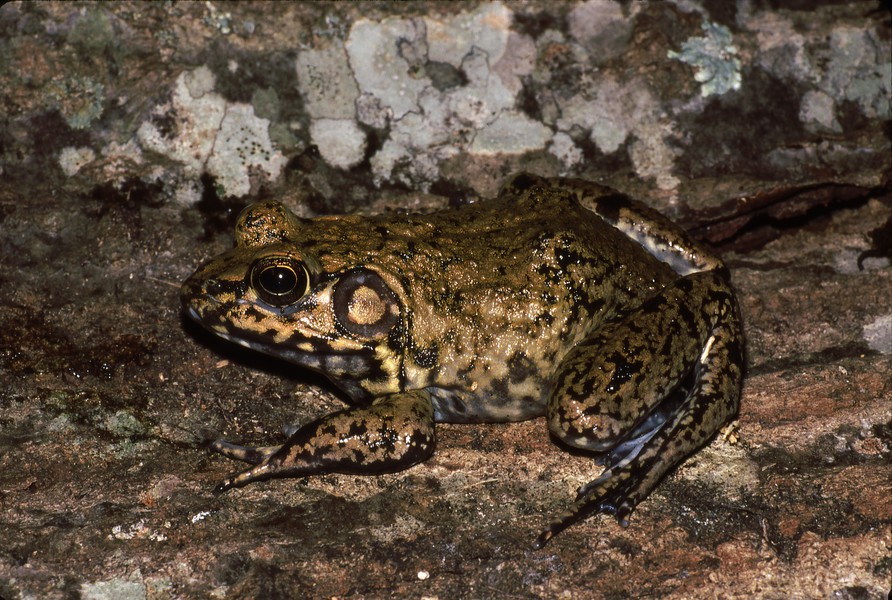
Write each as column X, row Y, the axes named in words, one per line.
column 132, row 133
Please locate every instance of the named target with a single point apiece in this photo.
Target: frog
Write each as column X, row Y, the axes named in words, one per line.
column 559, row 298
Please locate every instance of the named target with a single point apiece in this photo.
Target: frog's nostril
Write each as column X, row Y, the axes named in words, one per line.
column 212, row 287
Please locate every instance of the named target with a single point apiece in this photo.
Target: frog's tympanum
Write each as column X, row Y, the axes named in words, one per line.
column 559, row 298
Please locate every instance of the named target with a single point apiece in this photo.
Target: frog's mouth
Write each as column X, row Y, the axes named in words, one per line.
column 344, row 367
column 318, row 354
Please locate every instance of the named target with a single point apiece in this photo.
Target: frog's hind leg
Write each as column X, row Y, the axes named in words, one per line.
column 248, row 454
column 391, row 434
column 623, row 392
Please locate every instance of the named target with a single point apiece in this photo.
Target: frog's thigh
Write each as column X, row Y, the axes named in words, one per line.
column 391, row 434
column 608, row 385
column 691, row 327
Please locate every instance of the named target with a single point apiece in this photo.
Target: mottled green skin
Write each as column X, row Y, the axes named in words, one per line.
column 558, row 298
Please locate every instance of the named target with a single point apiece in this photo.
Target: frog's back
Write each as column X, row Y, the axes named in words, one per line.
column 495, row 293
column 509, row 242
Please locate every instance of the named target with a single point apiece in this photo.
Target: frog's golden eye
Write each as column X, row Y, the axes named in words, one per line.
column 280, row 280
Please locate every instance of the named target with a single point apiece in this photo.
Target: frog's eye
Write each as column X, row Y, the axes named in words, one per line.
column 280, row 280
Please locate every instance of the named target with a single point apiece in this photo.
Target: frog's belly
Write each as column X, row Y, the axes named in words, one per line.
column 461, row 406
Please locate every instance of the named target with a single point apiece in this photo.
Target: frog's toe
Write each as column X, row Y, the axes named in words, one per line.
column 579, row 512
column 607, row 494
column 223, row 486
column 246, row 454
column 256, row 473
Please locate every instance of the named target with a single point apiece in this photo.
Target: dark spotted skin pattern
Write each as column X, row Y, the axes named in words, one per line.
column 559, row 298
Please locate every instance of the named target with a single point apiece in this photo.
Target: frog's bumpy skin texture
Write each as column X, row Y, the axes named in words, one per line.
column 560, row 298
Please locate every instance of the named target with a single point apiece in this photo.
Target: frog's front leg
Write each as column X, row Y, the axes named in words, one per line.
column 648, row 389
column 392, row 434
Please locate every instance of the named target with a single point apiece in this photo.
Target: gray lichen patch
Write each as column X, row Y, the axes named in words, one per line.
column 341, row 142
column 511, row 133
column 73, row 159
column 601, row 27
column 666, row 92
column 403, row 67
column 859, row 70
column 204, row 133
column 327, row 83
column 714, row 58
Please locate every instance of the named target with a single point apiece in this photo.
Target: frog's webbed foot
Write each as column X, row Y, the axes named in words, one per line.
column 391, row 434
column 603, row 495
column 648, row 391
column 614, row 491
